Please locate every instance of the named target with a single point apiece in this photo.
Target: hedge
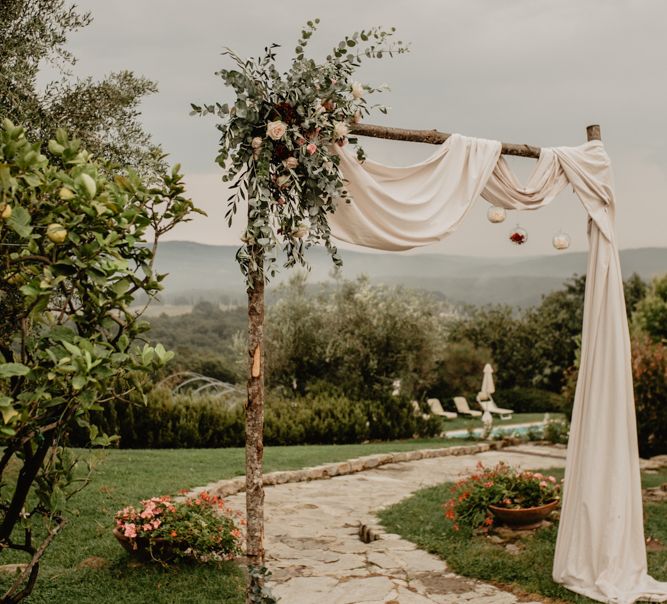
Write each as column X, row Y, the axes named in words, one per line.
column 168, row 421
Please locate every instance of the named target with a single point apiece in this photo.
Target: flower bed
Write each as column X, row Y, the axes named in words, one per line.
column 200, row 528
column 501, row 486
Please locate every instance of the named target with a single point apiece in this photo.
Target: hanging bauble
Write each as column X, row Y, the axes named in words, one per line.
column 561, row 241
column 496, row 214
column 518, row 235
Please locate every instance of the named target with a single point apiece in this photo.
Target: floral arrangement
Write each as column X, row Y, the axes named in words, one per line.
column 501, row 486
column 276, row 142
column 200, row 528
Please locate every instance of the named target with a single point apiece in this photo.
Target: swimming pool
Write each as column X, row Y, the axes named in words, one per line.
column 500, row 431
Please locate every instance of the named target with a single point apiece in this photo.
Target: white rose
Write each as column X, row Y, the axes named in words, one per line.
column 276, row 130
column 257, row 142
column 357, row 90
column 301, row 230
column 291, row 163
column 318, row 106
column 341, row 130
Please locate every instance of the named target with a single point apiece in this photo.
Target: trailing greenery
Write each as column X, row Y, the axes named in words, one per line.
column 71, row 262
column 421, row 519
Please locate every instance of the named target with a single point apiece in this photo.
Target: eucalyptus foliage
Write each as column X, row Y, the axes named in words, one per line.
column 76, row 248
column 277, row 137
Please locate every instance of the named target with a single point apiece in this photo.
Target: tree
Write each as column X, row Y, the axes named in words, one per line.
column 76, row 247
column 102, row 114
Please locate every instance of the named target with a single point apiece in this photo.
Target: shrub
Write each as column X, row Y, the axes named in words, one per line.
column 530, row 400
column 168, row 421
column 649, row 369
column 557, row 431
column 199, row 528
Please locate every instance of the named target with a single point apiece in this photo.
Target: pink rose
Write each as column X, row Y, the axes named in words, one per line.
column 276, row 130
column 311, row 148
column 291, row 163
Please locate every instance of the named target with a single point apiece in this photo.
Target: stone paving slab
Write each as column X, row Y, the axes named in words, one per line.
column 315, row 554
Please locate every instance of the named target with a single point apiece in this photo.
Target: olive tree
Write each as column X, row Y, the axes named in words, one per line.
column 76, row 248
column 102, row 113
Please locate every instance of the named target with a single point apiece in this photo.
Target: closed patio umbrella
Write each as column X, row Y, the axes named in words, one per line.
column 488, row 387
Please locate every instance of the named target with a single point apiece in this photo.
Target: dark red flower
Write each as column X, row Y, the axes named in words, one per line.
column 287, row 112
column 280, row 151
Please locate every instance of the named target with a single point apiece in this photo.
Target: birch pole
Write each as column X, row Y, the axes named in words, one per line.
column 254, row 420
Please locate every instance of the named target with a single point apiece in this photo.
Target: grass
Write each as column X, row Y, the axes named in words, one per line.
column 420, row 519
column 85, row 565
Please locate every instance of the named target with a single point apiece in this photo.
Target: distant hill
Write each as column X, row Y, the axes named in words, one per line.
column 207, row 272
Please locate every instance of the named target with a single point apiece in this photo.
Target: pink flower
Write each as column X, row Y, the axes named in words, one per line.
column 311, row 148
column 147, row 527
column 130, row 530
column 156, row 523
column 552, row 479
column 488, row 485
column 544, row 484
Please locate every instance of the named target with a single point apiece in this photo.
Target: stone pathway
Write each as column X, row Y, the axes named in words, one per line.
column 316, row 556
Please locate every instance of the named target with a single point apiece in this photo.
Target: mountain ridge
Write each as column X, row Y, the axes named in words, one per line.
column 209, row 272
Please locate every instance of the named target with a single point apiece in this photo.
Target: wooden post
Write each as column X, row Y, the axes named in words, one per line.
column 254, row 421
column 593, row 133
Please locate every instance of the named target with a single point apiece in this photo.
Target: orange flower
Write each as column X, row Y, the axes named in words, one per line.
column 173, row 533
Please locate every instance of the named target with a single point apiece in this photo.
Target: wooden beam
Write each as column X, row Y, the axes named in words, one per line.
column 434, row 137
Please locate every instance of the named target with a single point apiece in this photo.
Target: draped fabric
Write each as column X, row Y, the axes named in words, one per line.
column 600, row 550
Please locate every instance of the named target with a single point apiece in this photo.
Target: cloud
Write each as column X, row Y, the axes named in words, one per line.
column 517, row 70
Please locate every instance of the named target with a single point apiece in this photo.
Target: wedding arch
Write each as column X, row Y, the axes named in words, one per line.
column 283, row 148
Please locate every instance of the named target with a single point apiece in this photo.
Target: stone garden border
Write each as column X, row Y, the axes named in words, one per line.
column 225, row 488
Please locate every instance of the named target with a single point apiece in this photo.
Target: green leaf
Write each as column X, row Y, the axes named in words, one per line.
column 20, row 222
column 8, row 370
column 79, row 381
column 8, row 413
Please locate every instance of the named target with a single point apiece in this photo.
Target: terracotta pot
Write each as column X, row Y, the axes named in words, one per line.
column 149, row 549
column 524, row 518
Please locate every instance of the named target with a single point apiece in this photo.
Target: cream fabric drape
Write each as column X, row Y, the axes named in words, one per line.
column 600, row 551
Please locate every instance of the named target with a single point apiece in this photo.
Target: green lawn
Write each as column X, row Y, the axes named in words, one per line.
column 123, row 477
column 420, row 519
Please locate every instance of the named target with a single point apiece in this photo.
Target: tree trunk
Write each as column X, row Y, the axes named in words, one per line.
column 254, row 419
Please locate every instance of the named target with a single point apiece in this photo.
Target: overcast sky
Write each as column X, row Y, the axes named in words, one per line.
column 524, row 71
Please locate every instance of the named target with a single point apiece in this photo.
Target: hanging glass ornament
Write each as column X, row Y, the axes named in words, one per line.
column 561, row 240
column 496, row 214
column 518, row 235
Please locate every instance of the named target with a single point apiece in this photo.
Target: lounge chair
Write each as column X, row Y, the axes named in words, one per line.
column 418, row 410
column 463, row 408
column 487, row 403
column 436, row 409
